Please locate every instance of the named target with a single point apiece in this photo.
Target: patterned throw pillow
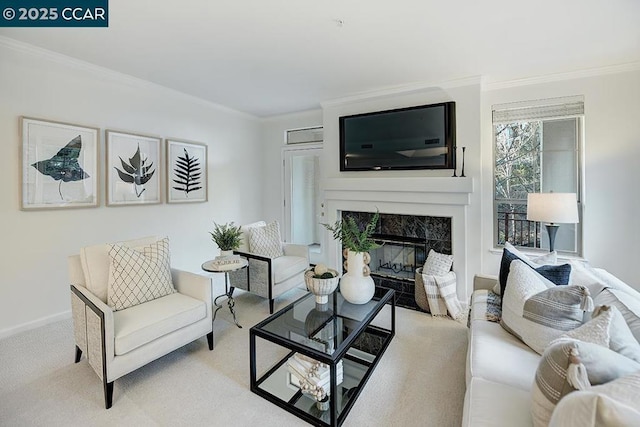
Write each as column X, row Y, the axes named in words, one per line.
column 266, row 240
column 556, row 274
column 556, row 377
column 537, row 314
column 138, row 275
column 437, row 264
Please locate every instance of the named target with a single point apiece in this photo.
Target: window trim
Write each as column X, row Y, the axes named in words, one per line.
column 539, row 106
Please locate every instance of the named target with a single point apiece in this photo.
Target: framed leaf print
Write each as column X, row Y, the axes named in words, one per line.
column 59, row 167
column 133, row 174
column 186, row 171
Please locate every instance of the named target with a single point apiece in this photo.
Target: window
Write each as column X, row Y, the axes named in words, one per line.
column 537, row 149
column 304, row 135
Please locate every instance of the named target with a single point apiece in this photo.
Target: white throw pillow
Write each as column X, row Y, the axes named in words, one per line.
column 612, row 404
column 266, row 240
column 437, row 264
column 140, row 274
column 537, row 314
column 626, row 303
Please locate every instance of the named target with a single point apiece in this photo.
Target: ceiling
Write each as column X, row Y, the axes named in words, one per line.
column 272, row 57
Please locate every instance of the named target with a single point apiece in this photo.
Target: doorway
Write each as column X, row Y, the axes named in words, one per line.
column 303, row 210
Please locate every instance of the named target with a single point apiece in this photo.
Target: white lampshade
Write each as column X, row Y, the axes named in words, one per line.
column 553, row 207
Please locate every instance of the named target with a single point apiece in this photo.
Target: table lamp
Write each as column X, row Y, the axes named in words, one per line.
column 552, row 208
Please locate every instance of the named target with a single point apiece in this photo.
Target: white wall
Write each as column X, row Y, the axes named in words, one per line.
column 612, row 160
column 35, row 244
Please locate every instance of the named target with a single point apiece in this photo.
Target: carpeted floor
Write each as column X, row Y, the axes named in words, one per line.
column 418, row 382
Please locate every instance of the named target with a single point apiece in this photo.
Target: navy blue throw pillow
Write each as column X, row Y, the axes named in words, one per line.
column 558, row 274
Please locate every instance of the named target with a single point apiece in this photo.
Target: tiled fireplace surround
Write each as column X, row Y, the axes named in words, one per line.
column 446, row 199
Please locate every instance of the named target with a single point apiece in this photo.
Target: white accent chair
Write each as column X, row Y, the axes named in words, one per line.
column 269, row 277
column 118, row 342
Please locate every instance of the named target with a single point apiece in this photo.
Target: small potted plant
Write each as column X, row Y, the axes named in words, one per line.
column 356, row 285
column 227, row 237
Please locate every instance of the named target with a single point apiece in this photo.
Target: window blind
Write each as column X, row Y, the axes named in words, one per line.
column 306, row 135
column 509, row 113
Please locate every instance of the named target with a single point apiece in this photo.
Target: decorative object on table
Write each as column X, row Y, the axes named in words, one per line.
column 186, row 171
column 227, row 236
column 321, row 281
column 132, row 169
column 356, row 285
column 313, row 377
column 455, row 166
column 59, row 165
column 319, row 327
column 552, row 208
column 462, row 172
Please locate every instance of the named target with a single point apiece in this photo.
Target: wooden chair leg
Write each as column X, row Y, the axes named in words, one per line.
column 270, row 306
column 210, row 340
column 108, row 394
column 78, row 354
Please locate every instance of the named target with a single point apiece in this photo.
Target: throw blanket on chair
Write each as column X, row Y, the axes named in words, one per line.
column 441, row 295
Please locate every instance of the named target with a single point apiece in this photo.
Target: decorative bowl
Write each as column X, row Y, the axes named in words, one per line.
column 321, row 288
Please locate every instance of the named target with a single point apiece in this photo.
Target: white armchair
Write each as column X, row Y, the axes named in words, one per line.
column 118, row 342
column 266, row 276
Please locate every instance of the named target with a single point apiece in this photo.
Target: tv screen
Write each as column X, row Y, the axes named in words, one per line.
column 421, row 137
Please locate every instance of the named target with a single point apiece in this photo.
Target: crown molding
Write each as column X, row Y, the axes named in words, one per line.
column 109, row 74
column 571, row 75
column 408, row 89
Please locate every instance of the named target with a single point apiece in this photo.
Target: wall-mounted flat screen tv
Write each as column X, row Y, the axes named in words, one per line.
column 421, row 137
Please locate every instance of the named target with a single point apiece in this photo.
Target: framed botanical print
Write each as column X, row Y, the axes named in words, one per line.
column 59, row 167
column 133, row 176
column 186, row 171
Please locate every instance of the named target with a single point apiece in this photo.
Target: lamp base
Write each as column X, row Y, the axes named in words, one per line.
column 552, row 229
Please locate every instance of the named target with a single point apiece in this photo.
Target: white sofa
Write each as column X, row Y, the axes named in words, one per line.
column 500, row 368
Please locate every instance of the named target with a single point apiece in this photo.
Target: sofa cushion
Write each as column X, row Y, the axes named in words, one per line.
column 143, row 323
column 496, row 355
column 627, row 304
column 551, row 383
column 510, row 253
column 611, row 404
column 537, row 314
column 493, row 404
column 437, row 264
column 266, row 240
column 95, row 264
column 286, row 266
column 139, row 274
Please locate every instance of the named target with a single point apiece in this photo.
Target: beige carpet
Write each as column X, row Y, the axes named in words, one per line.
column 418, row 382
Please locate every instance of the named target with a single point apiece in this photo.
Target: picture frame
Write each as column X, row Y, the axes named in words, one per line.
column 59, row 165
column 133, row 169
column 187, row 172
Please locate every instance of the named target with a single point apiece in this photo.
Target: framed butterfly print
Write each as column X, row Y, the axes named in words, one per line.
column 59, row 165
column 186, row 171
column 133, row 169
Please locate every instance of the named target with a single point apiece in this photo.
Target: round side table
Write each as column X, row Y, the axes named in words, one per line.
column 212, row 267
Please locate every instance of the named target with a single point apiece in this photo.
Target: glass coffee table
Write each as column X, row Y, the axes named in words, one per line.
column 348, row 339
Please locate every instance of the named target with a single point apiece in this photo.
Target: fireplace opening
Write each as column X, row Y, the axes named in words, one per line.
column 405, row 242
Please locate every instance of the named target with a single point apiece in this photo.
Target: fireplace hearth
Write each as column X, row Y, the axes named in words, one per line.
column 405, row 242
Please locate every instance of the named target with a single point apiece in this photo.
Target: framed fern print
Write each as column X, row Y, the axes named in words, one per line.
column 186, row 172
column 59, row 167
column 133, row 169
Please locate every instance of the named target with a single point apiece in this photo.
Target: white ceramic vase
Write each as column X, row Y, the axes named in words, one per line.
column 226, row 253
column 356, row 285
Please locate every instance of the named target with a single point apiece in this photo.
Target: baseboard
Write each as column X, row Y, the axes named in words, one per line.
column 5, row 333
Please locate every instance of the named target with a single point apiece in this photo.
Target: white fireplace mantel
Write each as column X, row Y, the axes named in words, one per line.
column 428, row 196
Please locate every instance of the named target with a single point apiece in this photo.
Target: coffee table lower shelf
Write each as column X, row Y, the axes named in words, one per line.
column 358, row 365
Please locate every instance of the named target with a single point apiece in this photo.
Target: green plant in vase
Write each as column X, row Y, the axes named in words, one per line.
column 226, row 236
column 356, row 286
